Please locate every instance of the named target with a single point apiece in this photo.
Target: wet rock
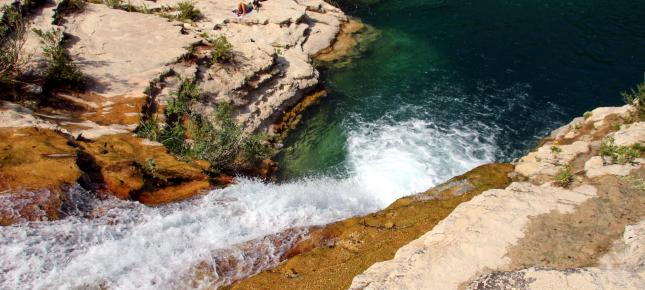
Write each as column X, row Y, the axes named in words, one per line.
column 174, row 192
column 37, row 166
column 133, row 170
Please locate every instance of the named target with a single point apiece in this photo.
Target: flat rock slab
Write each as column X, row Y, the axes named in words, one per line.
column 472, row 239
column 620, row 270
column 122, row 51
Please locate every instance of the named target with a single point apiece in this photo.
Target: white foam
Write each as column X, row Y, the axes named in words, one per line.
column 132, row 246
column 391, row 161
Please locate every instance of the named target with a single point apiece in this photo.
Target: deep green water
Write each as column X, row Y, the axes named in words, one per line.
column 449, row 85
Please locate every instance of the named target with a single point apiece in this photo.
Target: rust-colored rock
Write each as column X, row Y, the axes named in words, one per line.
column 36, row 167
column 134, row 170
column 174, row 192
column 292, row 117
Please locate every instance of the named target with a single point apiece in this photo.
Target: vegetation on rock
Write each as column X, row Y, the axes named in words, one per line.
column 620, row 154
column 12, row 39
column 218, row 140
column 636, row 97
column 187, row 11
column 222, row 49
column 564, row 176
column 61, row 71
column 184, row 11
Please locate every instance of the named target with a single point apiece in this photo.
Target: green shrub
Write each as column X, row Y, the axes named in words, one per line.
column 222, row 50
column 187, row 11
column 61, row 71
column 12, row 19
column 620, row 154
column 226, row 145
column 148, row 128
column 564, row 176
column 114, row 4
column 180, row 105
column 173, row 137
column 587, row 114
column 636, row 97
column 555, row 149
column 189, row 135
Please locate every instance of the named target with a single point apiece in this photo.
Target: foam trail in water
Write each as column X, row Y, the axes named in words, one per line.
column 131, row 246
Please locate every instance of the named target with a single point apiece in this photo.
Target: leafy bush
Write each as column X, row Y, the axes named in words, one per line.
column 564, row 177
column 61, row 71
column 180, row 105
column 620, row 154
column 148, row 128
column 636, row 97
column 222, row 50
column 189, row 135
column 555, row 149
column 187, row 11
column 226, row 146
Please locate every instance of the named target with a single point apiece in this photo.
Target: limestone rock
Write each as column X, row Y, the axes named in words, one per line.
column 599, row 115
column 630, row 134
column 595, row 167
column 474, row 237
column 622, row 269
column 547, row 160
column 122, row 51
column 16, row 116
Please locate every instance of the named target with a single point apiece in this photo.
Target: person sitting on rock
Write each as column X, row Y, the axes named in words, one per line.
column 243, row 9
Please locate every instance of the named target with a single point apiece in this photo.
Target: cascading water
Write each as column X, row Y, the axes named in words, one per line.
column 131, row 246
column 445, row 88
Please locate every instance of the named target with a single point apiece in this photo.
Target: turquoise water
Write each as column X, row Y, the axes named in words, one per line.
column 452, row 84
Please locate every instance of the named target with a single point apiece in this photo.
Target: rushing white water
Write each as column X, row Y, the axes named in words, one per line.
column 235, row 231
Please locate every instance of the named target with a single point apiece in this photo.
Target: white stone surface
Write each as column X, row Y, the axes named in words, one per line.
column 122, row 51
column 472, row 239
